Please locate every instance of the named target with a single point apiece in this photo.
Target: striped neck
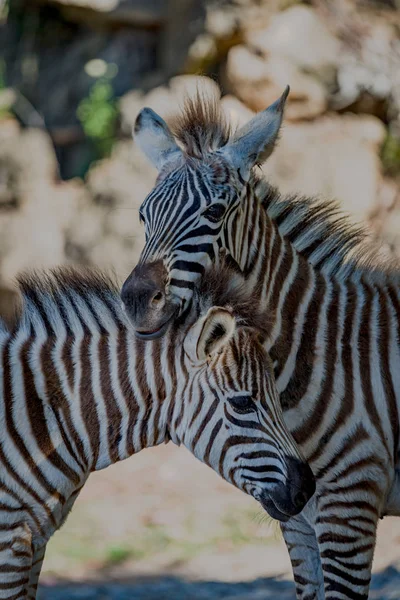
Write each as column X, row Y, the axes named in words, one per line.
column 84, row 384
column 327, row 316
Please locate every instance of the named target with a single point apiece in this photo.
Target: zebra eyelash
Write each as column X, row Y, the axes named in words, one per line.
column 214, row 212
column 242, row 404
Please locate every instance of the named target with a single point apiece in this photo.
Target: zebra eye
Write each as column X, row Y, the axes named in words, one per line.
column 242, row 404
column 215, row 212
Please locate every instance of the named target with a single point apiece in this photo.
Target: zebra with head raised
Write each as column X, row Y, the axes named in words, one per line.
column 79, row 392
column 332, row 331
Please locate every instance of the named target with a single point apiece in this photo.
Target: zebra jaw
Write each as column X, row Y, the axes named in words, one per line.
column 157, row 333
column 271, row 508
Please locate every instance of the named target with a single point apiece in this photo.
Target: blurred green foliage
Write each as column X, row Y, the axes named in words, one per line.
column 390, row 155
column 98, row 115
column 4, row 9
column 5, row 99
column 116, row 555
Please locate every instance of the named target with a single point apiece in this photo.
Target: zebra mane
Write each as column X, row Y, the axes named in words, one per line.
column 201, row 127
column 83, row 281
column 324, row 234
column 42, row 293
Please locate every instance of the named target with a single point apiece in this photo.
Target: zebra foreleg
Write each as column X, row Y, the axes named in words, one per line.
column 304, row 555
column 346, row 534
column 37, row 563
column 15, row 562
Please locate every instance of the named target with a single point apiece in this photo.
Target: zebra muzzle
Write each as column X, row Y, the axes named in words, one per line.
column 288, row 499
column 145, row 301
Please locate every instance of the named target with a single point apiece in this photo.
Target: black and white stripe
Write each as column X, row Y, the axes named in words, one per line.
column 79, row 392
column 333, row 332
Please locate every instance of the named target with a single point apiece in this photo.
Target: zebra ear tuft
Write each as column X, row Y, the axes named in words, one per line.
column 253, row 143
column 155, row 139
column 217, row 328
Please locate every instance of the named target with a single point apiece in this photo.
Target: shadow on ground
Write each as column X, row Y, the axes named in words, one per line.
column 170, row 588
column 385, row 586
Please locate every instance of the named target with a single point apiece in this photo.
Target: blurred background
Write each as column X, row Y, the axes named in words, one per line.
column 73, row 76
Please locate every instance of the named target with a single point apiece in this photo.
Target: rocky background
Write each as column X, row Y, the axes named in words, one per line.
column 75, row 73
column 73, row 76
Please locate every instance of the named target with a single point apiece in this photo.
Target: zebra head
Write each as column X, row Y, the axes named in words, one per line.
column 197, row 196
column 233, row 420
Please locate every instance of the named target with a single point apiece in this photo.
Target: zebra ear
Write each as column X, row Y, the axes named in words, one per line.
column 155, row 139
column 217, row 328
column 254, row 142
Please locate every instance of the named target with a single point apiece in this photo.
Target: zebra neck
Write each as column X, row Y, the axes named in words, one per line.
column 334, row 339
column 126, row 394
column 87, row 398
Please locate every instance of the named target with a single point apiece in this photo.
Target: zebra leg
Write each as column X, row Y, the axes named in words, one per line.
column 346, row 534
column 302, row 545
column 37, row 562
column 15, row 562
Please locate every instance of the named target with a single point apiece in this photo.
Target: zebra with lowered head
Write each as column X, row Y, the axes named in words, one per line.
column 332, row 329
column 78, row 392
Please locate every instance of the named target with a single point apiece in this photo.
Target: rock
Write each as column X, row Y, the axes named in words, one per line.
column 106, row 231
column 202, row 54
column 221, row 21
column 9, row 128
column 368, row 61
column 259, row 81
column 236, row 112
column 390, row 232
column 296, row 48
column 227, row 19
column 35, row 209
column 371, row 66
column 389, row 194
column 46, row 222
column 34, row 236
column 333, row 157
column 300, row 36
column 26, row 158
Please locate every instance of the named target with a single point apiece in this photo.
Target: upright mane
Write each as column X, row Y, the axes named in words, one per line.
column 201, row 126
column 319, row 229
column 42, row 294
column 324, row 234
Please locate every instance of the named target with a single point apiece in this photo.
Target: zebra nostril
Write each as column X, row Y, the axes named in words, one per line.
column 157, row 298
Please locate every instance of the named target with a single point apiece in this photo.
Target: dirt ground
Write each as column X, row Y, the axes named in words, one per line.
column 164, row 517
